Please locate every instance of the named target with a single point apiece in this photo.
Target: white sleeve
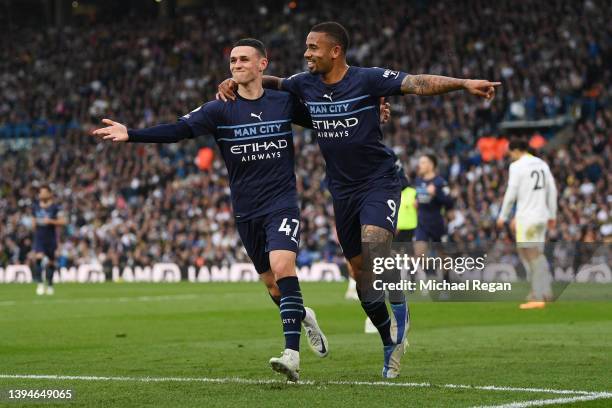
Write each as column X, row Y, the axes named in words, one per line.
column 511, row 194
column 551, row 195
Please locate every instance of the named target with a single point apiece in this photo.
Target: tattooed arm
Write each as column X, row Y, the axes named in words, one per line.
column 426, row 85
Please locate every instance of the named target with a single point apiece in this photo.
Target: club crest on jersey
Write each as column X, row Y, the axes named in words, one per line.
column 389, row 73
column 328, row 96
column 254, row 115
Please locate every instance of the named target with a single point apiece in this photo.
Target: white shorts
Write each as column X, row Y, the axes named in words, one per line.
column 530, row 232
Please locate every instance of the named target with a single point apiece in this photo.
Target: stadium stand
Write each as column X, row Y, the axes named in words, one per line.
column 138, row 204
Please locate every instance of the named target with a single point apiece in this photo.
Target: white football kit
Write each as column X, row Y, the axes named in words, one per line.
column 532, row 186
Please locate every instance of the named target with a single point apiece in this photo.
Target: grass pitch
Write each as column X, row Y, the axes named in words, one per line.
column 207, row 345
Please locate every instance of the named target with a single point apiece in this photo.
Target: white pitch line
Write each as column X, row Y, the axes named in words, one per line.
column 144, row 379
column 463, row 386
column 159, row 298
column 518, row 389
column 237, row 380
column 539, row 403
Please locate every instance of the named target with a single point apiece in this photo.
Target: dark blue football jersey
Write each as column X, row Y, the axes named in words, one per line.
column 46, row 233
column 256, row 142
column 401, row 174
column 430, row 206
column 346, row 120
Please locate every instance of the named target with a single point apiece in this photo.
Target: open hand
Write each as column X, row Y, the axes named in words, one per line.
column 227, row 90
column 116, row 131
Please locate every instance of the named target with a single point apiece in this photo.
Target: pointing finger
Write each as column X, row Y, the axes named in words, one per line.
column 478, row 92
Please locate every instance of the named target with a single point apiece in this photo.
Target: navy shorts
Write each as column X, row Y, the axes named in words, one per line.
column 47, row 248
column 429, row 234
column 377, row 206
column 277, row 230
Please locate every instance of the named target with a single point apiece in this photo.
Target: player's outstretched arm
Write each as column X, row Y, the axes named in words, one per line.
column 166, row 133
column 115, row 131
column 427, row 85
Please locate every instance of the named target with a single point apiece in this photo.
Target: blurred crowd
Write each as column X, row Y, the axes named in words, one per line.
column 140, row 204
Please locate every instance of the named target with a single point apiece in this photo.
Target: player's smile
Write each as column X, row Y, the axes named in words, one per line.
column 240, row 74
column 245, row 64
column 316, row 47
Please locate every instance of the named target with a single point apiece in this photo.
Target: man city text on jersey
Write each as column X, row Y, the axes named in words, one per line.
column 255, row 140
column 345, row 117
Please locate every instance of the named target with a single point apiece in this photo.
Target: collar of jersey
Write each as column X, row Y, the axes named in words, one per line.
column 250, row 100
column 346, row 74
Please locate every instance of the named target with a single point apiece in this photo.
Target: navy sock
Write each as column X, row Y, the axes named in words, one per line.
column 291, row 310
column 400, row 312
column 37, row 272
column 276, row 300
column 379, row 315
column 49, row 274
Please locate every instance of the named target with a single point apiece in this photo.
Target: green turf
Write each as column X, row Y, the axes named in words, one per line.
column 231, row 330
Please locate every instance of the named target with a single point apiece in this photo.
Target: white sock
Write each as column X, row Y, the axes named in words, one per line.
column 527, row 266
column 541, row 278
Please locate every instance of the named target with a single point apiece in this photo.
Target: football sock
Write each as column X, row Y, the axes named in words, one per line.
column 541, row 278
column 379, row 315
column 291, row 310
column 527, row 266
column 277, row 300
column 400, row 312
column 38, row 271
column 49, row 274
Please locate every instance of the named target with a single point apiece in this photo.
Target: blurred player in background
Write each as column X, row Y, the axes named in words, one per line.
column 255, row 138
column 433, row 200
column 407, row 218
column 532, row 186
column 343, row 103
column 47, row 218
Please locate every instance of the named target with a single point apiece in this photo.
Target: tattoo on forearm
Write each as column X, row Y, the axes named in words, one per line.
column 430, row 84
